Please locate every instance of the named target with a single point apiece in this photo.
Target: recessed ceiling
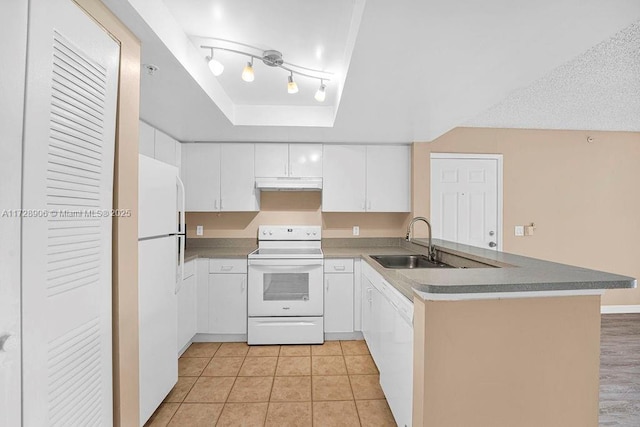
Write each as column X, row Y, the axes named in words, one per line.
column 316, row 36
column 415, row 69
column 310, row 34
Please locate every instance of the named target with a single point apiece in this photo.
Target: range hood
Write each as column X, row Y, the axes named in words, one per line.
column 289, row 184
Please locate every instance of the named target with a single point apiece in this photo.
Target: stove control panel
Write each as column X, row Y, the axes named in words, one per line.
column 289, row 232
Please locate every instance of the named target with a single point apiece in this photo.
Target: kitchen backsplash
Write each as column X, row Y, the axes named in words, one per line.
column 298, row 208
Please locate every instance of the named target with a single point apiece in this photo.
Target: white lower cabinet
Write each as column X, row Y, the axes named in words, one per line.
column 387, row 328
column 187, row 306
column 221, row 296
column 338, row 295
column 228, row 303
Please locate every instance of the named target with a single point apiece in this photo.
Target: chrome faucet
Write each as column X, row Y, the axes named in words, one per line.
column 432, row 251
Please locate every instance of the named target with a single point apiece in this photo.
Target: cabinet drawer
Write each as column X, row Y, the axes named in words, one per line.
column 338, row 265
column 189, row 268
column 228, row 265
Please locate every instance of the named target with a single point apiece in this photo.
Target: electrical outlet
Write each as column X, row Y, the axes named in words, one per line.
column 519, row 230
column 199, row 230
column 356, row 230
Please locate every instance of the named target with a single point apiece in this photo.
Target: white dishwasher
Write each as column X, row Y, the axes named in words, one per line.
column 396, row 372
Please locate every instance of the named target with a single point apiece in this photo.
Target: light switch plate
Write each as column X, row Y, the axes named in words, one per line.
column 199, row 230
column 356, row 230
column 519, row 230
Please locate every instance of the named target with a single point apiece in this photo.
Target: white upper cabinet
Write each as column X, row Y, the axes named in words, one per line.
column 201, row 173
column 165, row 148
column 305, row 160
column 288, row 160
column 272, row 160
column 146, row 144
column 219, row 177
column 344, row 178
column 374, row 178
column 237, row 180
column 388, row 178
column 158, row 145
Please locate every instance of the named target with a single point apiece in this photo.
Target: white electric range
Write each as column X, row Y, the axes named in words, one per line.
column 285, row 286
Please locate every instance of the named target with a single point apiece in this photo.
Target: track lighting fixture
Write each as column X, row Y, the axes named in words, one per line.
column 292, row 87
column 321, row 93
column 271, row 58
column 247, row 72
column 215, row 66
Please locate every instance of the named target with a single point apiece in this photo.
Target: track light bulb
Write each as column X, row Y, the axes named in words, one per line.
column 321, row 93
column 215, row 66
column 247, row 72
column 292, row 87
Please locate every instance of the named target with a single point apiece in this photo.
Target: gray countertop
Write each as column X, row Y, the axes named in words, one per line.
column 516, row 274
column 217, row 252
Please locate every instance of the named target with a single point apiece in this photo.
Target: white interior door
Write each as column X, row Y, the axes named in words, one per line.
column 69, row 139
column 466, row 199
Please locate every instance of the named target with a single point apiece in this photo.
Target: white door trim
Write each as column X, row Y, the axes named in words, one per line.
column 472, row 156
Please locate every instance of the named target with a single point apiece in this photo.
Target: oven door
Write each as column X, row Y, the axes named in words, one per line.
column 285, row 287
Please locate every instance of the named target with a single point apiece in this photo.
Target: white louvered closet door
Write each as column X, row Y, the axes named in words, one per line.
column 71, row 98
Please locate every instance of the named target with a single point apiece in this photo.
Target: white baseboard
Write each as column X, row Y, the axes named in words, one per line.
column 220, row 338
column 619, row 309
column 335, row 336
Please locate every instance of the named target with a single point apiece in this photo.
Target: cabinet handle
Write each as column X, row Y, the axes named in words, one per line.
column 243, row 285
column 339, row 267
column 226, row 268
column 221, row 204
column 215, row 204
column 327, row 285
column 369, row 294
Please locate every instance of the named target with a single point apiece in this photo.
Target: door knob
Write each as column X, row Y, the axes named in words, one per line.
column 492, row 244
column 491, row 233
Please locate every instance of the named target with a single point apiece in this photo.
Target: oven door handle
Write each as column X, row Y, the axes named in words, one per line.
column 285, row 265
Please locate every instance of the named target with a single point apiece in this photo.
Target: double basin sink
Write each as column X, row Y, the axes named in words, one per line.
column 408, row 261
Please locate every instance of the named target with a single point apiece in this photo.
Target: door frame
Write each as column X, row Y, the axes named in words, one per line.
column 499, row 178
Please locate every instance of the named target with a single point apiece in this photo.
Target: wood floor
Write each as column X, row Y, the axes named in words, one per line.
column 620, row 370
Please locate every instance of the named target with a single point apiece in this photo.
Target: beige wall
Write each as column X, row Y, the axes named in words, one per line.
column 125, row 230
column 525, row 362
column 284, row 207
column 583, row 197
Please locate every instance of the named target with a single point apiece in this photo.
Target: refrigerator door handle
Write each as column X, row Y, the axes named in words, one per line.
column 183, row 236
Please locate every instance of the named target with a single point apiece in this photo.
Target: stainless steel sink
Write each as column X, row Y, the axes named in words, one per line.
column 408, row 261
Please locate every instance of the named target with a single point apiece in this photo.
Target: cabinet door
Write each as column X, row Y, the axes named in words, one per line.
column 388, row 178
column 202, row 295
column 237, row 178
column 201, row 171
column 272, row 160
column 165, row 149
column 146, row 141
column 338, row 302
column 344, row 173
column 187, row 311
column 305, row 160
column 227, row 303
column 367, row 310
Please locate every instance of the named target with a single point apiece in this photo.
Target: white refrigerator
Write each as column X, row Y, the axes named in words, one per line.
column 160, row 263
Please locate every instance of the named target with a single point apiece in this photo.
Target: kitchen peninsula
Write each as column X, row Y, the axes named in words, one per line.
column 515, row 341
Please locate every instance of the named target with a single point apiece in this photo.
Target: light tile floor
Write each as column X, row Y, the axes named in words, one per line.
column 234, row 384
